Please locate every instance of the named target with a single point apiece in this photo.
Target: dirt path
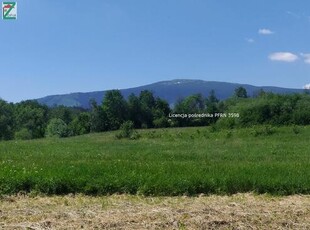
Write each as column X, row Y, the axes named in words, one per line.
column 241, row 211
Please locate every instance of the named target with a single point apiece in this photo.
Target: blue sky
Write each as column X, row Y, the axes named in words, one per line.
column 57, row 47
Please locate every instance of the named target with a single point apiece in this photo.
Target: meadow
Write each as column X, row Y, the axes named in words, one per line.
column 173, row 161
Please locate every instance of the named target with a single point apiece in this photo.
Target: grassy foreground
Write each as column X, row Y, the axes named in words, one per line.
column 162, row 162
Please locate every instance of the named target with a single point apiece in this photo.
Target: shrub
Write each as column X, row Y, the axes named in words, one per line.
column 227, row 123
column 269, row 130
column 57, row 128
column 161, row 122
column 296, row 129
column 23, row 134
column 135, row 135
column 127, row 131
column 266, row 130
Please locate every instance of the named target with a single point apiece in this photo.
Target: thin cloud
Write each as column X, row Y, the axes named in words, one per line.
column 298, row 16
column 265, row 31
column 307, row 86
column 306, row 57
column 283, row 57
column 250, row 40
column 293, row 14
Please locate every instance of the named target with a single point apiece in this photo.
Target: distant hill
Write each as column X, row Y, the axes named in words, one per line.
column 171, row 91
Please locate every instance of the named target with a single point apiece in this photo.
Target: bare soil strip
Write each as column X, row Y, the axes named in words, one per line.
column 240, row 211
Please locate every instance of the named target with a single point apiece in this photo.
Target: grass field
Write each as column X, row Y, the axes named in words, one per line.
column 162, row 162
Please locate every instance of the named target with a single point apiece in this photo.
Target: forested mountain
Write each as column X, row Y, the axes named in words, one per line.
column 171, row 91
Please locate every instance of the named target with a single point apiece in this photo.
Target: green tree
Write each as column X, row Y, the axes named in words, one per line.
column 6, row 121
column 301, row 113
column 98, row 118
column 160, row 113
column 212, row 106
column 64, row 113
column 191, row 104
column 259, row 93
column 57, row 128
column 32, row 116
column 271, row 109
column 147, row 111
column 241, row 92
column 80, row 124
column 115, row 108
column 180, row 108
column 23, row 134
column 135, row 110
column 194, row 103
column 147, row 102
column 212, row 102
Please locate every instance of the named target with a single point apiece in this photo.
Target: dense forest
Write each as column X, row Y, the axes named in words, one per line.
column 30, row 120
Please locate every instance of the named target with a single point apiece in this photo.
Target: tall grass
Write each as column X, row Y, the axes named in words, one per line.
column 161, row 162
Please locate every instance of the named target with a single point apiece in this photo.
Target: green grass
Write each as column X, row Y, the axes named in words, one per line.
column 162, row 162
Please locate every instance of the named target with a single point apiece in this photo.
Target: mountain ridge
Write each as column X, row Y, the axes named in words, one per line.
column 170, row 90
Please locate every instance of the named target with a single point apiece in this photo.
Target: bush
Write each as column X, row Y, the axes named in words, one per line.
column 23, row 134
column 81, row 124
column 57, row 128
column 266, row 130
column 152, row 134
column 296, row 129
column 127, row 131
column 161, row 122
column 227, row 123
column 135, row 135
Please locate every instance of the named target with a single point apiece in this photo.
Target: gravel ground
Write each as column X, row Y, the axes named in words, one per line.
column 240, row 211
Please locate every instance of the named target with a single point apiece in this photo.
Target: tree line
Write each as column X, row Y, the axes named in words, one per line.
column 30, row 120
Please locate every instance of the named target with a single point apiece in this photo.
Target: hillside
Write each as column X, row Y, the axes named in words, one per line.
column 171, row 91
